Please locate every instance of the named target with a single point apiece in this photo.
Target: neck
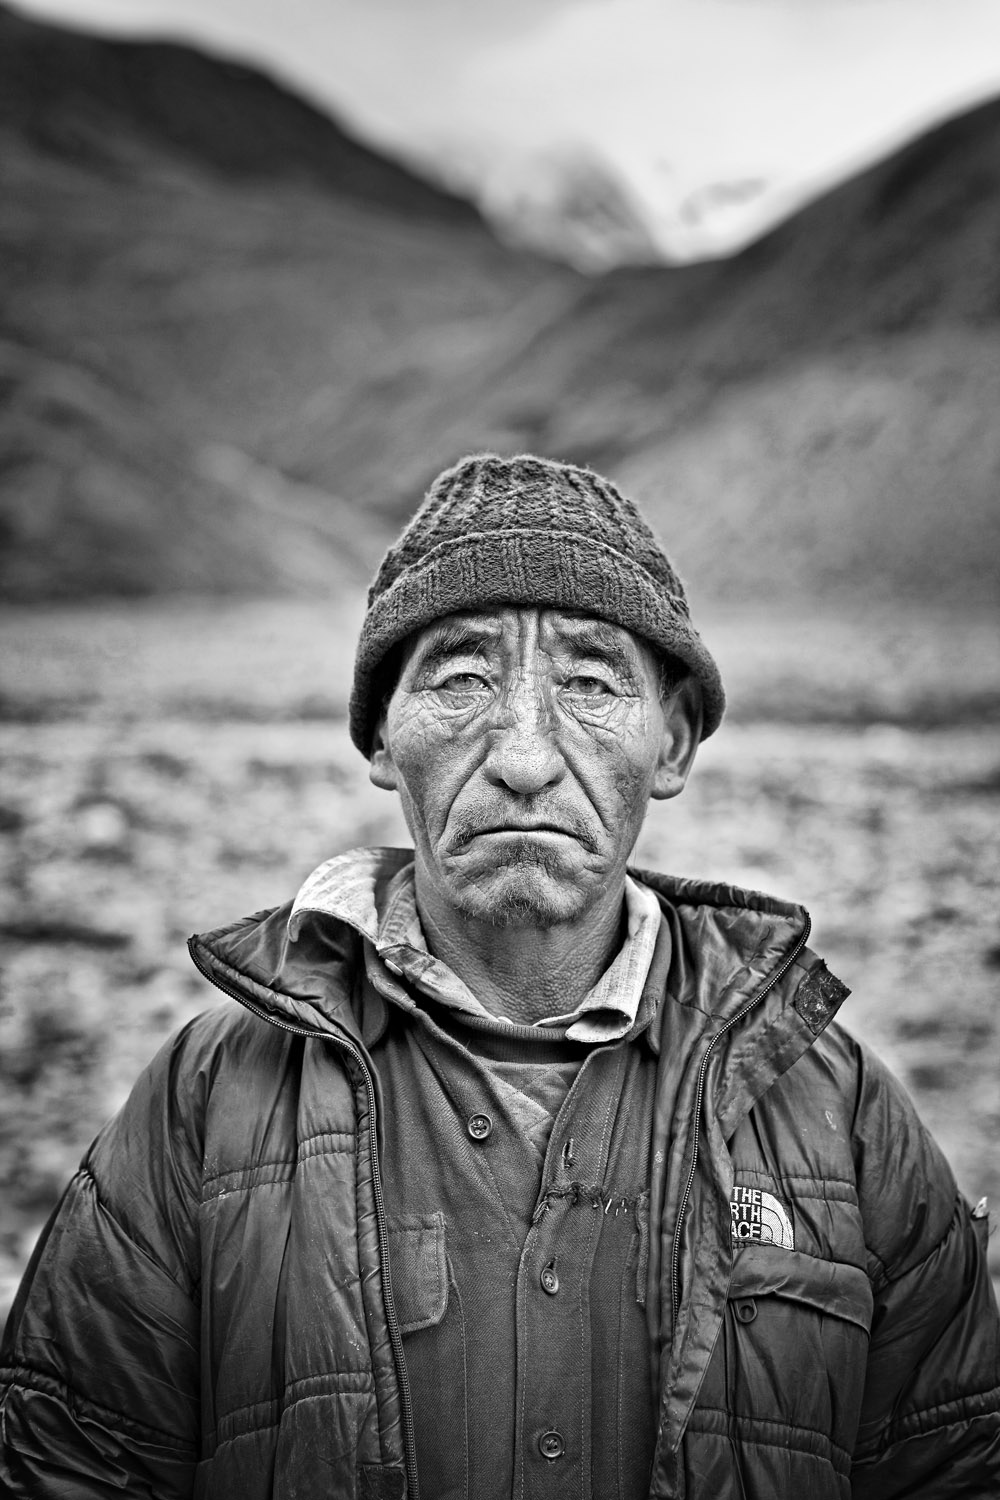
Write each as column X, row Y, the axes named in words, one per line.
column 524, row 973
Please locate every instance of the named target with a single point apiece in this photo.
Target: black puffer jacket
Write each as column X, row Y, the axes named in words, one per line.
column 210, row 1311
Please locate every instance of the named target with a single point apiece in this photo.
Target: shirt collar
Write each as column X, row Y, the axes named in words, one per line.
column 374, row 891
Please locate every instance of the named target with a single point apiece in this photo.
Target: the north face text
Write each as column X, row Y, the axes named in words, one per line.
column 759, row 1216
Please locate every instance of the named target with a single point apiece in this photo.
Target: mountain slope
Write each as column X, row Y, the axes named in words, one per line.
column 194, row 259
column 79, row 97
column 235, row 345
column 824, row 402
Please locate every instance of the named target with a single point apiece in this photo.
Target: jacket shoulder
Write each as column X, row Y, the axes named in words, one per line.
column 146, row 1167
column 847, row 1111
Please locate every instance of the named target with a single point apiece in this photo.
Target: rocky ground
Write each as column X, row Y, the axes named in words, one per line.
column 170, row 767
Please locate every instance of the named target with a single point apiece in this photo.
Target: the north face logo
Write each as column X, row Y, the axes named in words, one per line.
column 758, row 1216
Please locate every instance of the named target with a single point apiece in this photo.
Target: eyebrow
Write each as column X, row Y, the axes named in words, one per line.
column 583, row 634
column 457, row 638
column 595, row 638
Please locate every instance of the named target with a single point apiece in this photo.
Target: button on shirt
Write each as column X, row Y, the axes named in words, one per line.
column 515, row 1168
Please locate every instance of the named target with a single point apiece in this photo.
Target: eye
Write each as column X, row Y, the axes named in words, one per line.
column 462, row 682
column 588, row 687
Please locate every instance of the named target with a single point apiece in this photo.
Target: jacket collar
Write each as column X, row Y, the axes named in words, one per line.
column 740, row 962
column 306, row 982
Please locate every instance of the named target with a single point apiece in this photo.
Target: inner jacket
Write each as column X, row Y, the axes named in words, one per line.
column 209, row 1311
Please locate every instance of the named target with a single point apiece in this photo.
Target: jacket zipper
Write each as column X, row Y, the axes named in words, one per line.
column 395, row 1335
column 778, row 974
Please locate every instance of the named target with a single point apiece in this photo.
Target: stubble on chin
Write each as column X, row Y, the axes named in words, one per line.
column 518, row 890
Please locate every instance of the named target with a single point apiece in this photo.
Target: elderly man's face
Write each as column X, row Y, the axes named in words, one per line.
column 525, row 745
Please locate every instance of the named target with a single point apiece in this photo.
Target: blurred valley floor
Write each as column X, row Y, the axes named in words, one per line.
column 171, row 766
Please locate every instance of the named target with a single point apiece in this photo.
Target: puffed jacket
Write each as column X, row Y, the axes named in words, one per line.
column 210, row 1309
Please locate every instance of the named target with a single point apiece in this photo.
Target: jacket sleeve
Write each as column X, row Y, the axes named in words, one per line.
column 930, row 1424
column 99, row 1362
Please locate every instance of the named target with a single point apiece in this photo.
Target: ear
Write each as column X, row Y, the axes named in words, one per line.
column 382, row 769
column 682, row 721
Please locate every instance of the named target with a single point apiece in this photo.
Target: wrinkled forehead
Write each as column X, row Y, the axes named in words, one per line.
column 505, row 629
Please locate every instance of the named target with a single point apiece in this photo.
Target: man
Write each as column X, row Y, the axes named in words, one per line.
column 512, row 1173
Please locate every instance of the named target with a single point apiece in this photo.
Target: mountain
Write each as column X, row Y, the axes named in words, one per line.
column 198, row 269
column 822, row 404
column 235, row 344
column 75, row 96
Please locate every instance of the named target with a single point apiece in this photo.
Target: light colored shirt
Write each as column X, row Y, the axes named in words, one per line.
column 374, row 891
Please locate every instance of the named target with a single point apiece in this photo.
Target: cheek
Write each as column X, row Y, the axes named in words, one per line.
column 641, row 744
column 428, row 762
column 623, row 754
column 632, row 782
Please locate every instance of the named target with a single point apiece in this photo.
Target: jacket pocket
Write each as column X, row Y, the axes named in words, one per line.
column 429, row 1308
column 788, row 1373
column 419, row 1270
column 830, row 1287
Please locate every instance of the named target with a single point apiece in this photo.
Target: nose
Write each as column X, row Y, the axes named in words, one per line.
column 523, row 754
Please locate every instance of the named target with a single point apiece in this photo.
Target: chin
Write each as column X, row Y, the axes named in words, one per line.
column 526, row 909
column 528, row 891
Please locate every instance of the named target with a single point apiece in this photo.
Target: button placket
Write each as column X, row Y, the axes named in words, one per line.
column 554, row 1371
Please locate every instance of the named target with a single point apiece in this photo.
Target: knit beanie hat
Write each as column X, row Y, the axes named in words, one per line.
column 530, row 531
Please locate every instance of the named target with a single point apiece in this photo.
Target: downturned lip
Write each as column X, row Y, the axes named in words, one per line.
column 523, row 828
column 526, row 831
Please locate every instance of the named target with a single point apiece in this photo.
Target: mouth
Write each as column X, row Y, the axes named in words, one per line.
column 541, row 836
column 521, row 827
column 521, row 830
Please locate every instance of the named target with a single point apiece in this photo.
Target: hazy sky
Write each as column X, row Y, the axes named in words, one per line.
column 716, row 116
